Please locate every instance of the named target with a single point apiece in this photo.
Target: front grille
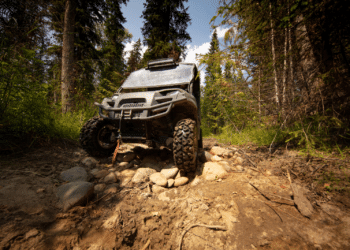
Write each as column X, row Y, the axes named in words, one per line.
column 132, row 101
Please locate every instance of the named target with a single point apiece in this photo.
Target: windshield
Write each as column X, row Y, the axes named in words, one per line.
column 160, row 77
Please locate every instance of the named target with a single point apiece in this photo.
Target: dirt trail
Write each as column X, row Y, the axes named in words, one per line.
column 254, row 206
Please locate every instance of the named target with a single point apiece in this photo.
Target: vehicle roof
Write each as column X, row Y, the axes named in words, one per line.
column 183, row 73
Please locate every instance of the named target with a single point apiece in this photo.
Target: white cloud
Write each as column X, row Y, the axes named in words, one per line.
column 192, row 52
column 220, row 31
column 128, row 48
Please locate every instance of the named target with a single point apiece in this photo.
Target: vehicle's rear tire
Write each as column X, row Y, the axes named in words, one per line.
column 95, row 137
column 185, row 145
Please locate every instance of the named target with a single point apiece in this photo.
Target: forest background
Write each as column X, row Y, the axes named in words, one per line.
column 281, row 76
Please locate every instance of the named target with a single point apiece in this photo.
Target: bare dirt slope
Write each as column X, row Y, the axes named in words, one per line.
column 251, row 207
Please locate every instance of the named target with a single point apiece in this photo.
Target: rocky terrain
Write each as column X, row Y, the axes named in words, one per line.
column 58, row 197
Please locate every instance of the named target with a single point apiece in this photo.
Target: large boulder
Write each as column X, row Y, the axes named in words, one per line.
column 74, row 194
column 89, row 162
column 74, row 174
column 218, row 151
column 159, row 179
column 205, row 156
column 100, row 173
column 169, row 173
column 142, row 175
column 213, row 171
column 110, row 178
column 180, row 181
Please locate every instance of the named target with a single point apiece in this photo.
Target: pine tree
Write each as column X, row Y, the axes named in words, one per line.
column 83, row 56
column 211, row 108
column 113, row 66
column 134, row 61
column 164, row 29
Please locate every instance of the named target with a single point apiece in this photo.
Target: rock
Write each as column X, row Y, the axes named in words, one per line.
column 170, row 182
column 303, row 204
column 178, row 175
column 237, row 154
column 158, row 189
column 180, row 181
column 216, row 158
column 142, row 175
column 151, row 162
column 205, row 156
column 169, row 173
column 129, row 156
column 213, row 170
column 112, row 189
column 89, row 162
column 196, row 181
column 95, row 170
column 123, row 164
column 95, row 247
column 159, row 179
column 168, row 195
column 99, row 187
column 74, row 193
column 111, row 223
column 112, row 169
column 76, row 154
column 110, row 178
column 219, row 151
column 231, row 154
column 228, row 153
column 155, row 166
column 100, row 174
column 74, row 174
column 120, row 157
column 226, row 165
column 239, row 160
column 40, row 190
column 31, row 233
column 125, row 181
column 128, row 173
column 239, row 168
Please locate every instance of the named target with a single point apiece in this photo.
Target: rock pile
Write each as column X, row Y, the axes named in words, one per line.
column 130, row 170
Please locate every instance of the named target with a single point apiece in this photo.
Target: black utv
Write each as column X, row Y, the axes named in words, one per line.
column 159, row 106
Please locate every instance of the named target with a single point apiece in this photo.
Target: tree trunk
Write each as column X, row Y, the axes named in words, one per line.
column 292, row 84
column 68, row 57
column 308, row 64
column 284, row 77
column 274, row 59
column 259, row 92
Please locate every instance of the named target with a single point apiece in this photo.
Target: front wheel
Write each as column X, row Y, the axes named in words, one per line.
column 98, row 137
column 185, row 145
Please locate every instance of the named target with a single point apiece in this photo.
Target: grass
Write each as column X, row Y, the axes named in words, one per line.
column 258, row 135
column 68, row 126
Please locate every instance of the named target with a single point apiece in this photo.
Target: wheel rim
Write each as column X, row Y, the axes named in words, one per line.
column 104, row 137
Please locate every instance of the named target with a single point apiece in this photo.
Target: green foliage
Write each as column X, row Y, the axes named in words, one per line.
column 135, row 58
column 318, row 132
column 261, row 136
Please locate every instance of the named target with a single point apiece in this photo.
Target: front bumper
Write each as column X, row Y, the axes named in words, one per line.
column 144, row 111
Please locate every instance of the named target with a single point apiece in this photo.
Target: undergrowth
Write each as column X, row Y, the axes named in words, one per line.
column 318, row 136
column 256, row 135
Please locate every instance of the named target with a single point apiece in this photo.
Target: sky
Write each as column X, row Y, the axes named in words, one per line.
column 200, row 11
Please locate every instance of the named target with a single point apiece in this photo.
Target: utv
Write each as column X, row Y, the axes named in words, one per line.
column 159, row 106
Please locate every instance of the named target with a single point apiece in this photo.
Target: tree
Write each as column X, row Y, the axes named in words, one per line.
column 134, row 61
column 211, row 108
column 113, row 66
column 78, row 39
column 67, row 77
column 164, row 29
